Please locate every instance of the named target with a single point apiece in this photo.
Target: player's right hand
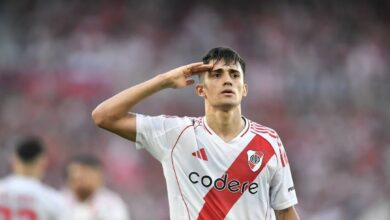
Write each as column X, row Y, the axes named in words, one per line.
column 181, row 76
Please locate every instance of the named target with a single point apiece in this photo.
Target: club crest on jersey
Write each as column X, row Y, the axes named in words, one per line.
column 255, row 159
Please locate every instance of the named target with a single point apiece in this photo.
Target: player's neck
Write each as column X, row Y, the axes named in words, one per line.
column 226, row 124
column 29, row 171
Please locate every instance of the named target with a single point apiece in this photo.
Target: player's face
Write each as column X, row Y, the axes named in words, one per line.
column 83, row 180
column 223, row 86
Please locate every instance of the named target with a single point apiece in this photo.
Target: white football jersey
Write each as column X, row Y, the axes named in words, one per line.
column 207, row 178
column 104, row 205
column 27, row 198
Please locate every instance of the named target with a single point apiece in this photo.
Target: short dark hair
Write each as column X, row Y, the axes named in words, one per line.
column 29, row 148
column 83, row 159
column 225, row 53
column 86, row 159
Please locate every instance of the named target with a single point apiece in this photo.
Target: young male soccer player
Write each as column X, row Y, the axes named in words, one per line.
column 220, row 166
column 22, row 195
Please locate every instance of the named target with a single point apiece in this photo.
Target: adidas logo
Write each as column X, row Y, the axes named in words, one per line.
column 201, row 154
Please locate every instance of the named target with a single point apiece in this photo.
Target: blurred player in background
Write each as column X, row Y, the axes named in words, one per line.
column 22, row 194
column 220, row 166
column 86, row 194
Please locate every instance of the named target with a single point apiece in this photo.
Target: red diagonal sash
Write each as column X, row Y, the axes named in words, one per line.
column 218, row 203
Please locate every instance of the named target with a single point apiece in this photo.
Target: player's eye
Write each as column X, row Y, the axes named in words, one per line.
column 235, row 75
column 215, row 74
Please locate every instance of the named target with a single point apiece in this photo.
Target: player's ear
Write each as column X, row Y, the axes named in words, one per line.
column 200, row 90
column 245, row 91
column 42, row 164
column 44, row 161
column 14, row 161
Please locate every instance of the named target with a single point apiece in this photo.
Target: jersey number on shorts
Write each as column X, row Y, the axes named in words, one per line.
column 27, row 214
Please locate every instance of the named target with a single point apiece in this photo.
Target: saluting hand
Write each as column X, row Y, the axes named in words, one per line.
column 181, row 76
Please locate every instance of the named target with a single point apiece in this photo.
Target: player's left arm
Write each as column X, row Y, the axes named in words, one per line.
column 282, row 191
column 287, row 214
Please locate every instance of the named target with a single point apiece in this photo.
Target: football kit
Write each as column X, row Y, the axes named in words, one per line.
column 27, row 198
column 104, row 205
column 208, row 178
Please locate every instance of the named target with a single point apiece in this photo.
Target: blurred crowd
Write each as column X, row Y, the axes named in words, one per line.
column 318, row 73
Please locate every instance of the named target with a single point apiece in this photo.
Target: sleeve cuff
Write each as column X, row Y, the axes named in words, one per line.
column 285, row 205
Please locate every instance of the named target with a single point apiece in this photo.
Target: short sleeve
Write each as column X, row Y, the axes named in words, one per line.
column 282, row 190
column 59, row 209
column 121, row 212
column 117, row 210
column 157, row 134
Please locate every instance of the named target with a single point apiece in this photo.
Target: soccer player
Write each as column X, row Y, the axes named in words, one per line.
column 219, row 166
column 87, row 196
column 22, row 194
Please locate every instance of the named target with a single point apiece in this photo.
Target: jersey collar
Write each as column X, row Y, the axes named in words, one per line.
column 240, row 135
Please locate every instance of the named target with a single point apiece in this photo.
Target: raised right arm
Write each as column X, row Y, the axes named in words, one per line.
column 113, row 114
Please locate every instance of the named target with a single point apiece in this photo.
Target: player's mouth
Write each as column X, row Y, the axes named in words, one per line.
column 228, row 92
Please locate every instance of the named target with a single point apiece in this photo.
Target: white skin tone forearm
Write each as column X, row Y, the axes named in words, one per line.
column 112, row 114
column 286, row 214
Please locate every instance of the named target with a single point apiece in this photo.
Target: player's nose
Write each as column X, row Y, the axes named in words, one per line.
column 227, row 79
